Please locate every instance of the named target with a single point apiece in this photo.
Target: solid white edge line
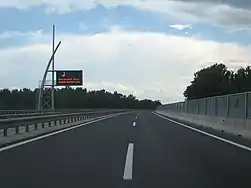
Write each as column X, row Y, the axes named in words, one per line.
column 56, row 132
column 205, row 133
column 129, row 163
column 134, row 124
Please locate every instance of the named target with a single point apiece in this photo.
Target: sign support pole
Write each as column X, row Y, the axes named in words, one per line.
column 53, row 71
column 40, row 98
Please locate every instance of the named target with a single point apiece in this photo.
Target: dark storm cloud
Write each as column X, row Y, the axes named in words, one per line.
column 235, row 17
column 245, row 4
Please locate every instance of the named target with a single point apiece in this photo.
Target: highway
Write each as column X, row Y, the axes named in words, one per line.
column 134, row 150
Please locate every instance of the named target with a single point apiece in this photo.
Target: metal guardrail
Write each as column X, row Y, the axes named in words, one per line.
column 45, row 111
column 4, row 114
column 48, row 120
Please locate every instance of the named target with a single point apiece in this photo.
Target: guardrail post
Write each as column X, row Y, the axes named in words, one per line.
column 35, row 126
column 246, row 105
column 17, row 130
column 198, row 106
column 5, row 131
column 215, row 106
column 27, row 128
column 228, row 106
column 206, row 106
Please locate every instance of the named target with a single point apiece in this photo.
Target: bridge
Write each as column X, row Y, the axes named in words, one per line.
column 119, row 148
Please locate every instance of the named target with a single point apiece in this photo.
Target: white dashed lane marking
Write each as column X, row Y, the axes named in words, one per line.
column 134, row 124
column 129, row 163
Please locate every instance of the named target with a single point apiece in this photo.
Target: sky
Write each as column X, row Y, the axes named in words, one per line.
column 149, row 48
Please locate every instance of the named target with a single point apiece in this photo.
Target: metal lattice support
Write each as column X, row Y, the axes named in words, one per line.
column 46, row 100
column 46, row 91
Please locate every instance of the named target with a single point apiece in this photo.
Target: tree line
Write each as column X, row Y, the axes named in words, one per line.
column 217, row 79
column 73, row 98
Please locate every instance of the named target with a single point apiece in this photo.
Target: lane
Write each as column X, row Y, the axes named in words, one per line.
column 90, row 156
column 133, row 150
column 169, row 155
column 235, row 138
column 229, row 141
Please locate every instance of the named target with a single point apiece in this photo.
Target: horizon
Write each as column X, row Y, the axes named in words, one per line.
column 150, row 49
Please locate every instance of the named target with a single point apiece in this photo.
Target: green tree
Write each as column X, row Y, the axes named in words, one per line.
column 210, row 81
column 70, row 98
column 242, row 79
column 218, row 80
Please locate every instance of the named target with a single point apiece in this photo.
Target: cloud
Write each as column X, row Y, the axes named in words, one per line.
column 202, row 12
column 180, row 26
column 233, row 14
column 83, row 26
column 60, row 6
column 244, row 4
column 153, row 65
column 17, row 34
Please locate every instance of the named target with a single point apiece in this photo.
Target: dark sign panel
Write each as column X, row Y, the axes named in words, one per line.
column 69, row 78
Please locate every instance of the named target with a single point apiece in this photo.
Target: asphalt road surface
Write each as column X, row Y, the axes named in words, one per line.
column 127, row 152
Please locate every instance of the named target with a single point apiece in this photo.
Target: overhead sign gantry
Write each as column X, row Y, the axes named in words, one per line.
column 63, row 78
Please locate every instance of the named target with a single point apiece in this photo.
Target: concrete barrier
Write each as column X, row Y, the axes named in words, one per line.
column 236, row 126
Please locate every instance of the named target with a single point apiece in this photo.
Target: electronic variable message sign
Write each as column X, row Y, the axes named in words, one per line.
column 69, row 77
